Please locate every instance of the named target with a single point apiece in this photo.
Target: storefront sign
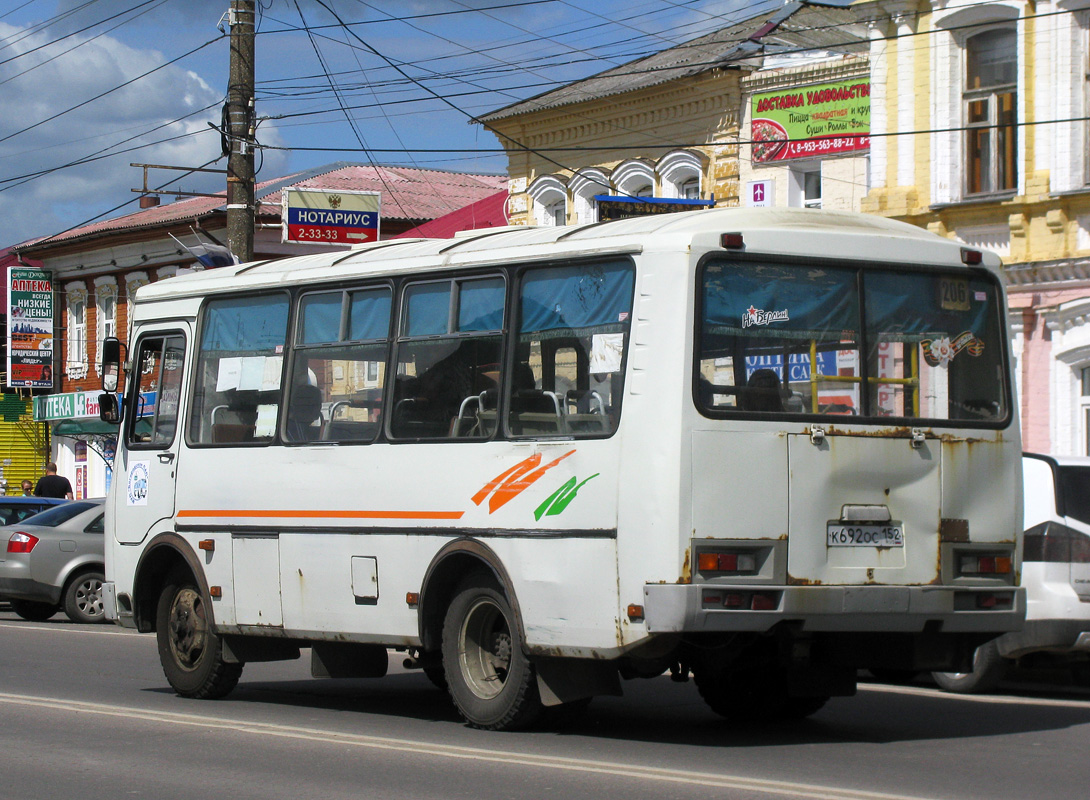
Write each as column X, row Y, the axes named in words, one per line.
column 30, row 328
column 621, row 207
column 811, row 121
column 78, row 405
column 312, row 216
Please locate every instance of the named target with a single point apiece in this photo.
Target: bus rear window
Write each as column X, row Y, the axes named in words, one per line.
column 880, row 344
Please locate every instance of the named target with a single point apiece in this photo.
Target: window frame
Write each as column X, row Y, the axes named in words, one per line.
column 195, row 359
column 991, row 96
column 297, row 348
column 133, row 393
column 862, row 267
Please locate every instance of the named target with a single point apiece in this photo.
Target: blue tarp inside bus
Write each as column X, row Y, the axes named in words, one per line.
column 368, row 316
column 590, row 296
column 245, row 324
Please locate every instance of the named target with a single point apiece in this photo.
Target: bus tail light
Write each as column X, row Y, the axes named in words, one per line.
column 740, row 601
column 984, row 564
column 726, row 562
column 732, row 241
column 21, row 542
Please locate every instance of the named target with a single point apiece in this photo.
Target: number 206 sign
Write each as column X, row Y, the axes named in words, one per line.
column 312, row 216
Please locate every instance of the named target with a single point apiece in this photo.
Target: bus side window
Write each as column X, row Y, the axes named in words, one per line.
column 572, row 338
column 448, row 359
column 236, row 393
column 339, row 367
column 160, row 362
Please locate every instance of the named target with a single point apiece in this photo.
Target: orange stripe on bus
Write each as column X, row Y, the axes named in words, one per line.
column 297, row 514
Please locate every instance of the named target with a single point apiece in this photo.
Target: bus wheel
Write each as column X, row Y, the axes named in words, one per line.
column 33, row 611
column 489, row 677
column 754, row 692
column 190, row 651
column 988, row 670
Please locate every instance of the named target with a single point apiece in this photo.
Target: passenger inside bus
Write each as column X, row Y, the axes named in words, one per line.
column 305, row 413
column 763, row 392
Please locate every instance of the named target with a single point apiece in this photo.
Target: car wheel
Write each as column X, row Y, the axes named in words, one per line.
column 190, row 650
column 489, row 677
column 988, row 670
column 83, row 598
column 33, row 611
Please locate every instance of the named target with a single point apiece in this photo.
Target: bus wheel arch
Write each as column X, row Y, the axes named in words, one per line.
column 164, row 555
column 441, row 581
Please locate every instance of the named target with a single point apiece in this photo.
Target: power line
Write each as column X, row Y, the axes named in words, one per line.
column 109, row 91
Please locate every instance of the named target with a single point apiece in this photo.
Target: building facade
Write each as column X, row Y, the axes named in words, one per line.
column 670, row 130
column 980, row 133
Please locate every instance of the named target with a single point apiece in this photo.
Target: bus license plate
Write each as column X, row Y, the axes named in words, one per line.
column 838, row 535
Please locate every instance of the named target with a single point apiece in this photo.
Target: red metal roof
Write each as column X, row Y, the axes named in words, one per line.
column 408, row 194
column 490, row 212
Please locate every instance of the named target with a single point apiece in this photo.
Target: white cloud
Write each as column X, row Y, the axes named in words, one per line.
column 149, row 110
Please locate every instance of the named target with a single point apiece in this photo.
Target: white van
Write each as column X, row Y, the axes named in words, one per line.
column 1055, row 573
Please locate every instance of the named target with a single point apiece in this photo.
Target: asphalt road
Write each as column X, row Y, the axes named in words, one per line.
column 85, row 712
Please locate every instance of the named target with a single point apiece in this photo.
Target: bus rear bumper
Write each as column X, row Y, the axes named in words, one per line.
column 710, row 608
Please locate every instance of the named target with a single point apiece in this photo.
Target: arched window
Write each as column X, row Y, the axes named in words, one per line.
column 584, row 185
column 105, row 311
column 635, row 178
column 75, row 362
column 991, row 111
column 550, row 196
column 681, row 173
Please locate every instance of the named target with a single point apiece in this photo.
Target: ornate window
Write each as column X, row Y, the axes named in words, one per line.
column 75, row 363
column 635, row 178
column 584, row 185
column 550, row 196
column 133, row 281
column 105, row 309
column 681, row 173
column 991, row 112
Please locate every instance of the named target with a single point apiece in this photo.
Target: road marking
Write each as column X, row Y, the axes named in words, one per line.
column 65, row 628
column 786, row 788
column 993, row 699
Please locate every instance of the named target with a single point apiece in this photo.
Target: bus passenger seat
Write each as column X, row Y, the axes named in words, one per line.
column 304, row 409
column 763, row 392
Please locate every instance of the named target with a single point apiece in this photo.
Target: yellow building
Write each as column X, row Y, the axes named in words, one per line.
column 661, row 132
column 979, row 133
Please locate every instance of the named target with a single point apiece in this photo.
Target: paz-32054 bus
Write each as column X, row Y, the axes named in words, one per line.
column 766, row 448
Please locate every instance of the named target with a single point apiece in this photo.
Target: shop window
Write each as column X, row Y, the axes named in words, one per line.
column 804, row 187
column 990, row 103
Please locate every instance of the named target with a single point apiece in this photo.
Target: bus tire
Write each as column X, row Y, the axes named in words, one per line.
column 988, row 670
column 190, row 651
column 83, row 598
column 489, row 677
column 754, row 689
column 34, row 611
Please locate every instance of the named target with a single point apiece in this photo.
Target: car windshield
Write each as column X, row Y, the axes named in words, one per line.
column 52, row 517
column 1074, row 491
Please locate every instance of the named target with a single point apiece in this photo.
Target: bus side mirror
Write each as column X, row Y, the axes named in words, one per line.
column 109, row 410
column 111, row 365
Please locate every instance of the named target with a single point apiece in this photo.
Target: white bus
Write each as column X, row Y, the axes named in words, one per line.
column 766, row 448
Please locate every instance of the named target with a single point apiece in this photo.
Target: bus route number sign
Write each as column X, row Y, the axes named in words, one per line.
column 883, row 535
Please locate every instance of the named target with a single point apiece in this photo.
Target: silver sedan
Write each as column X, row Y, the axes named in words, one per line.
column 54, row 560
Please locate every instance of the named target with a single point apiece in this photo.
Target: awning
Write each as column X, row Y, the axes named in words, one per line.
column 489, row 212
column 84, row 427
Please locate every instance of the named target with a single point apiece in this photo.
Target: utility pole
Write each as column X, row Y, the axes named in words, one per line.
column 240, row 121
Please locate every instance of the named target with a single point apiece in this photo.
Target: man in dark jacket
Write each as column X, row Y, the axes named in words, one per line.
column 53, row 485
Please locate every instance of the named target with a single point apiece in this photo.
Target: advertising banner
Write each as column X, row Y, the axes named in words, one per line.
column 622, row 207
column 811, row 121
column 314, row 216
column 30, row 328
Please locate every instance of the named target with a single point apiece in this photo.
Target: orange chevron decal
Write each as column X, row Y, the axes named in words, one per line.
column 510, row 484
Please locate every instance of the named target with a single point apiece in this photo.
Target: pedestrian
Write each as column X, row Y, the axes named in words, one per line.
column 53, row 485
column 28, row 487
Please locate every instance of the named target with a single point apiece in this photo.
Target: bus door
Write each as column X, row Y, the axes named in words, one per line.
column 864, row 509
column 148, row 461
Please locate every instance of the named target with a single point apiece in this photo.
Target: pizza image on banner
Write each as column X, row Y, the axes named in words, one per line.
column 810, row 121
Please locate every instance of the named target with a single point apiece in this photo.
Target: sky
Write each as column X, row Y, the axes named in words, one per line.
column 88, row 87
